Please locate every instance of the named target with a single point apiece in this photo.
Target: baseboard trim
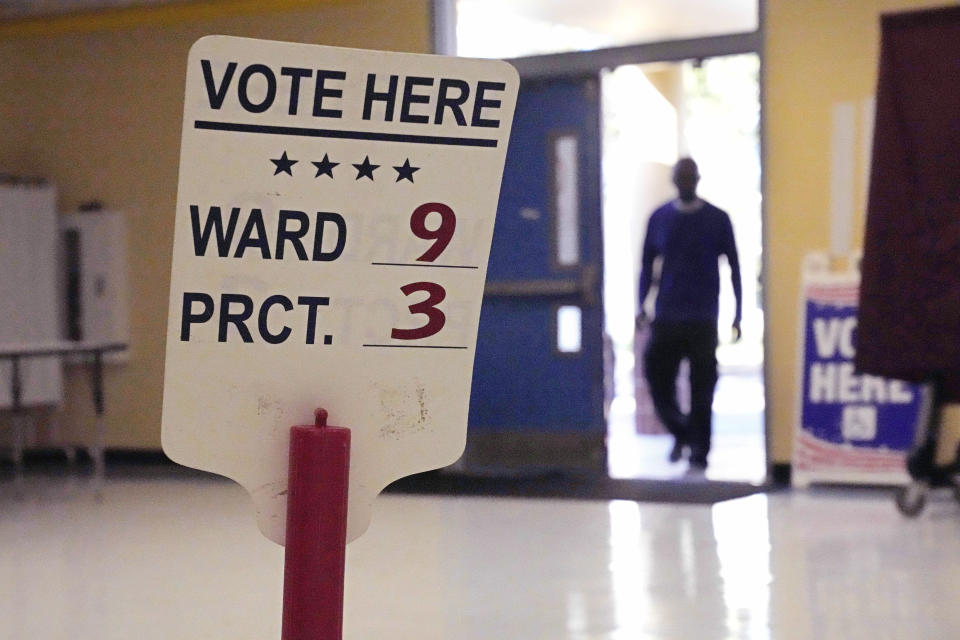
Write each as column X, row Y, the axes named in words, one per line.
column 780, row 473
column 53, row 456
column 516, row 450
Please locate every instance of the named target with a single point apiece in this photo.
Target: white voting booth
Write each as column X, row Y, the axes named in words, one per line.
column 28, row 289
column 64, row 300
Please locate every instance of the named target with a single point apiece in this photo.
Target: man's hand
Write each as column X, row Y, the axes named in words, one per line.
column 642, row 320
column 736, row 334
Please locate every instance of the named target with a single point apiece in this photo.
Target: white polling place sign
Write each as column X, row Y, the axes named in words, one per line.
column 334, row 218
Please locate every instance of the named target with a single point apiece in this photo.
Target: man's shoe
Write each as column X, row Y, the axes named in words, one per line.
column 677, row 452
column 696, row 472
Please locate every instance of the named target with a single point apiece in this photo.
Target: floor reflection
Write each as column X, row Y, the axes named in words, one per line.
column 742, row 531
column 628, row 569
column 690, row 572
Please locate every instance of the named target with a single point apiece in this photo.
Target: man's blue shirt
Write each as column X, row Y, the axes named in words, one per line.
column 690, row 243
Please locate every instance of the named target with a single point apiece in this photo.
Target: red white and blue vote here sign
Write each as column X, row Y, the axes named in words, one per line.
column 853, row 428
column 334, row 218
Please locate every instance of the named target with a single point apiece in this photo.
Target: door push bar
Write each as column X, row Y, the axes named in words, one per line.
column 585, row 288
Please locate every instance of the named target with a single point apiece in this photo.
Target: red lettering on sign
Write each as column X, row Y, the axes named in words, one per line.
column 435, row 317
column 441, row 235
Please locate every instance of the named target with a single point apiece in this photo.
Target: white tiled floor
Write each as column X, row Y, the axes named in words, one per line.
column 178, row 558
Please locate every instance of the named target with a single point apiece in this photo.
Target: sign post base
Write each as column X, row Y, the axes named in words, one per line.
column 316, row 531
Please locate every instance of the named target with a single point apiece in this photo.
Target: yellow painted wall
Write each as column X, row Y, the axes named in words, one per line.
column 818, row 52
column 95, row 104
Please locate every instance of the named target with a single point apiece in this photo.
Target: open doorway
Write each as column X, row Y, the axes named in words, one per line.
column 696, row 93
column 654, row 114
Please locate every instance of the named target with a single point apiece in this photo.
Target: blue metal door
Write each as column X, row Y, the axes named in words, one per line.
column 538, row 387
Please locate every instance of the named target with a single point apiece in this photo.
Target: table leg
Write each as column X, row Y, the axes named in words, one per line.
column 19, row 440
column 19, row 429
column 97, row 450
column 97, row 455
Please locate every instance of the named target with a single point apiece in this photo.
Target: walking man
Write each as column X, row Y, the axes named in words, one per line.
column 688, row 235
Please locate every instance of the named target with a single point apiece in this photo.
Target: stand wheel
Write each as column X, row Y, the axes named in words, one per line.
column 911, row 499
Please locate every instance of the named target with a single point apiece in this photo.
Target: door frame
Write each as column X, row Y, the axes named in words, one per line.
column 579, row 63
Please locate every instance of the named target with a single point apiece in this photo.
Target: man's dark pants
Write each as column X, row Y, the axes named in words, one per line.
column 670, row 343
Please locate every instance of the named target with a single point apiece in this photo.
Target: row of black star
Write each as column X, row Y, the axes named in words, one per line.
column 325, row 167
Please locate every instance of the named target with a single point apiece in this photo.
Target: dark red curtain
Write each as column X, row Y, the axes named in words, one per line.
column 909, row 326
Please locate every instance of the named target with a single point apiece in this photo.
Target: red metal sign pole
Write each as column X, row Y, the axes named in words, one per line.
column 316, row 534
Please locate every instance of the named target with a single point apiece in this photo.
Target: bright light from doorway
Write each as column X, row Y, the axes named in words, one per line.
column 514, row 28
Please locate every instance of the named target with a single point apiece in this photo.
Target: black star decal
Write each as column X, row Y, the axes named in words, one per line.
column 406, row 172
column 325, row 167
column 284, row 164
column 365, row 169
